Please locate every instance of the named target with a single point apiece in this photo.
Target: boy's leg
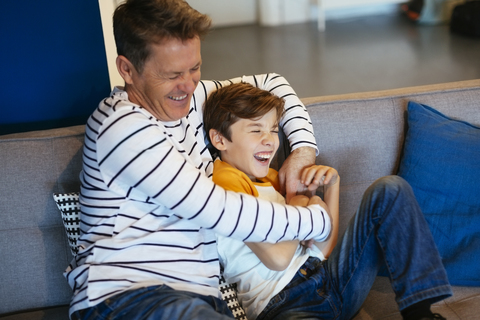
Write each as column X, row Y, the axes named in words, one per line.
column 157, row 303
column 389, row 229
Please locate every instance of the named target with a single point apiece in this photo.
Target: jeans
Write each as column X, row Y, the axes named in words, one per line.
column 388, row 231
column 157, row 303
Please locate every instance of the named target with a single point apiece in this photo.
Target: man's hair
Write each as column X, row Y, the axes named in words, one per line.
column 139, row 23
column 229, row 104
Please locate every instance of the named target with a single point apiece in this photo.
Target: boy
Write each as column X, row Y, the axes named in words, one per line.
column 288, row 281
column 242, row 124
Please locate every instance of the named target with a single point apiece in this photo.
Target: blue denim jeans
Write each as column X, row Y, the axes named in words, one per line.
column 388, row 231
column 157, row 303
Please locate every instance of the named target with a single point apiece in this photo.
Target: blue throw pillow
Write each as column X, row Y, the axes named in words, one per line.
column 441, row 161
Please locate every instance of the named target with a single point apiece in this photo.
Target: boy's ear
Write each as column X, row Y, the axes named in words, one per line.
column 218, row 141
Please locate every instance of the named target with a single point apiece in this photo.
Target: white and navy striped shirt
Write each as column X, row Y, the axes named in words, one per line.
column 149, row 210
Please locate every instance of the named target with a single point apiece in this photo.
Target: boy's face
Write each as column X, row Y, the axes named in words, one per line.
column 254, row 143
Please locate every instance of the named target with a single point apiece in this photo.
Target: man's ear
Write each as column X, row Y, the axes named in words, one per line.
column 125, row 68
column 218, row 141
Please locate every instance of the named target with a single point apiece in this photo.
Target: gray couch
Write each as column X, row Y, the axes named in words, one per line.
column 361, row 135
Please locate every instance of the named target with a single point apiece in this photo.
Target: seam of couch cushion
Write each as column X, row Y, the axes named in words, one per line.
column 45, row 134
column 397, row 93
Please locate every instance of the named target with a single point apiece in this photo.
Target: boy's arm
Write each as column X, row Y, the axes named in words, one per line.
column 277, row 256
column 331, row 198
column 314, row 177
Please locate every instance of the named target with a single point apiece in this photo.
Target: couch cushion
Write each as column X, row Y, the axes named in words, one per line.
column 34, row 246
column 441, row 162
column 55, row 313
column 464, row 304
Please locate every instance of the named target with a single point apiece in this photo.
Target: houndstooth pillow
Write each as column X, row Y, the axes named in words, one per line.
column 229, row 295
column 69, row 206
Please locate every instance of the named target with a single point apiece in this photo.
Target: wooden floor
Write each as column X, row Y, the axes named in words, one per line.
column 353, row 55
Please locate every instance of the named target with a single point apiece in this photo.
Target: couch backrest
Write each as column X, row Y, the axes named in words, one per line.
column 33, row 245
column 361, row 135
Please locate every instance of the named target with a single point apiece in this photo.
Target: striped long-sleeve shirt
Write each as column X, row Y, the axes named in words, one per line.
column 149, row 210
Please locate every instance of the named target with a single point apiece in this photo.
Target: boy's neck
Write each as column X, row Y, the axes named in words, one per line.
column 250, row 177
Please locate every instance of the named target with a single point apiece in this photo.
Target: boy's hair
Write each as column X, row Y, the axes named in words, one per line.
column 139, row 23
column 229, row 104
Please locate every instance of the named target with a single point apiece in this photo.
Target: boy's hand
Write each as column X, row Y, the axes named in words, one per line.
column 317, row 176
column 304, row 201
column 299, row 200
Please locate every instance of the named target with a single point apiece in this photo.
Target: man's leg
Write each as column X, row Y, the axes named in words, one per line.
column 157, row 303
column 389, row 230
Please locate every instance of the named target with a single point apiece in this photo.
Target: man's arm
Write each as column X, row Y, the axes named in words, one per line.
column 289, row 173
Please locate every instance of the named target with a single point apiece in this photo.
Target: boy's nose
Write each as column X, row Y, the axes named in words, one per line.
column 268, row 139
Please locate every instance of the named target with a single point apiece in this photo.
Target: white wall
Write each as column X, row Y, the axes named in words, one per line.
column 227, row 12
column 107, row 7
column 278, row 12
column 337, row 9
column 237, row 12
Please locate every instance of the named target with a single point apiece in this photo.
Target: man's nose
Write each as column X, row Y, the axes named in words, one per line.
column 189, row 83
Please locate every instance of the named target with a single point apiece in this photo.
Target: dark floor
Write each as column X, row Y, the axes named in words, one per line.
column 361, row 54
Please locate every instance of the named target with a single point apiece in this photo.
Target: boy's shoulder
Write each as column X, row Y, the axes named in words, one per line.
column 232, row 179
column 272, row 178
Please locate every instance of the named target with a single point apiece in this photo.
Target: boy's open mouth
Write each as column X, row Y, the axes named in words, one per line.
column 262, row 156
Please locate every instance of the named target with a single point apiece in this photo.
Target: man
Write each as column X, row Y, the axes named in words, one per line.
column 149, row 211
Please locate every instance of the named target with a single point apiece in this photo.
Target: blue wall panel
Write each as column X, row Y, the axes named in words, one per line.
column 53, row 63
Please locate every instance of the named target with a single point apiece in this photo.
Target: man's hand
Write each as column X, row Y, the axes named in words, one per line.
column 290, row 172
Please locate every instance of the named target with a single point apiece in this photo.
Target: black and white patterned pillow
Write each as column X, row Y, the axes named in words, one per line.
column 69, row 206
column 229, row 295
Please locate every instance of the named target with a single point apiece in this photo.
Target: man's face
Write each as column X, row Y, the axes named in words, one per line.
column 169, row 78
column 254, row 143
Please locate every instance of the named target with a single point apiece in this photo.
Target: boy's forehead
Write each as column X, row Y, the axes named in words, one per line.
column 267, row 119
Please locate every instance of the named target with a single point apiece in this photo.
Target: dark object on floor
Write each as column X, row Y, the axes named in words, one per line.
column 466, row 19
column 413, row 9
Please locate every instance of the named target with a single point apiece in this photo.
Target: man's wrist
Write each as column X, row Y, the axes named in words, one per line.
column 306, row 152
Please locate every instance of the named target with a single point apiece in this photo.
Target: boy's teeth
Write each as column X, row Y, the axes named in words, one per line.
column 263, row 156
